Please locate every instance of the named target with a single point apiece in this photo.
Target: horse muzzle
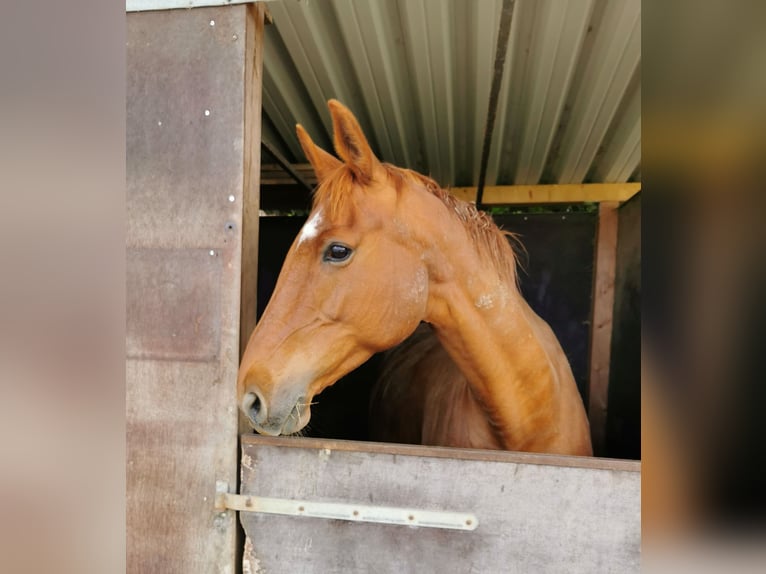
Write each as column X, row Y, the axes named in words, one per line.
column 277, row 418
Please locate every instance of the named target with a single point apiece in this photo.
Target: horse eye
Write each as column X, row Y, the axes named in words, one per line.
column 337, row 253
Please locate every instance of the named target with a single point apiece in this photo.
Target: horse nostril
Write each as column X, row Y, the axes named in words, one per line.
column 254, row 407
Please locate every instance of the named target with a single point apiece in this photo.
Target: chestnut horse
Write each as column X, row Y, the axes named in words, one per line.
column 383, row 250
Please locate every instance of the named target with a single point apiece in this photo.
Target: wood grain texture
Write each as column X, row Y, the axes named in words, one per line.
column 252, row 439
column 280, row 191
column 173, row 304
column 536, row 516
column 185, row 148
column 252, row 175
column 601, row 325
column 552, row 193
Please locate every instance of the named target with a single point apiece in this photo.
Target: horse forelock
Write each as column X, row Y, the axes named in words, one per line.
column 335, row 194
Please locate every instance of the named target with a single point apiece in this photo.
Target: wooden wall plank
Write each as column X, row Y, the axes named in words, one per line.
column 532, row 517
column 601, row 325
column 185, row 150
column 255, row 440
column 252, row 159
column 173, row 309
column 282, row 192
column 553, row 193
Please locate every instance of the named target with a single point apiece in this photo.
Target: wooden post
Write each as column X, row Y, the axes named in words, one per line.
column 251, row 193
column 187, row 111
column 601, row 323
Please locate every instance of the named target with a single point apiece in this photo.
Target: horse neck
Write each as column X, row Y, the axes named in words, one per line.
column 506, row 352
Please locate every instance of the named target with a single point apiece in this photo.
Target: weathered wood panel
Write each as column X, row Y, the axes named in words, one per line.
column 601, row 325
column 252, row 175
column 281, row 192
column 549, row 193
column 185, row 165
column 173, row 306
column 536, row 513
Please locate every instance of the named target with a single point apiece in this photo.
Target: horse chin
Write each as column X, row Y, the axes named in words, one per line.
column 293, row 424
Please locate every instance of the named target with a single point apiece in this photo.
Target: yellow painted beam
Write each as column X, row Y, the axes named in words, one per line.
column 554, row 193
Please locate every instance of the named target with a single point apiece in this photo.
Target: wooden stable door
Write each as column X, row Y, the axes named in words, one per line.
column 532, row 513
column 190, row 148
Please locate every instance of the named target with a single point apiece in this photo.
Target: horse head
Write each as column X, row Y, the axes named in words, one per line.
column 354, row 282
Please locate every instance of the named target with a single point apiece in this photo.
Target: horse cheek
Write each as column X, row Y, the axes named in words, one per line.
column 403, row 307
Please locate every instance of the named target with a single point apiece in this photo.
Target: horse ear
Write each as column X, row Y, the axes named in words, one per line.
column 322, row 162
column 350, row 143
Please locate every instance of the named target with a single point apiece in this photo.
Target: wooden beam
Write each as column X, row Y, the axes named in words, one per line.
column 183, row 282
column 274, row 174
column 252, row 172
column 287, row 166
column 554, row 193
column 601, row 323
column 396, row 449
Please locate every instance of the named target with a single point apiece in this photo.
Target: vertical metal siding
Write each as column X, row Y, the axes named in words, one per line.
column 417, row 74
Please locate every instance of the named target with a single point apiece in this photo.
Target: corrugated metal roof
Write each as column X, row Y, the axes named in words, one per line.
column 417, row 73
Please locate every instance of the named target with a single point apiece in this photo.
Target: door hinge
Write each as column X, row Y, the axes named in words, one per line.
column 343, row 511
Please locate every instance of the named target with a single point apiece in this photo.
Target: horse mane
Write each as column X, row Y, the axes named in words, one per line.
column 333, row 193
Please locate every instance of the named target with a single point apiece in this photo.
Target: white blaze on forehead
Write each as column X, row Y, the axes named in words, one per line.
column 311, row 227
